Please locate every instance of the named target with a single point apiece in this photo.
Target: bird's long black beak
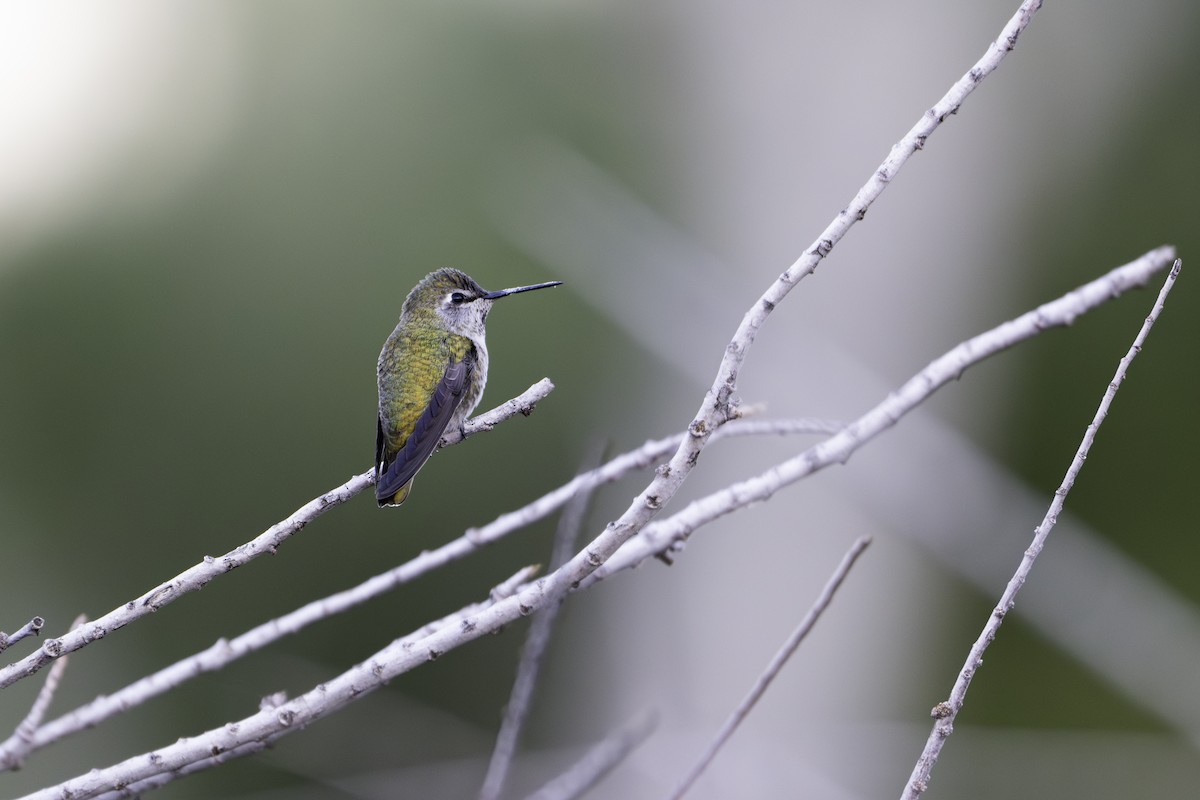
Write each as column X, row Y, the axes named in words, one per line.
column 505, row 292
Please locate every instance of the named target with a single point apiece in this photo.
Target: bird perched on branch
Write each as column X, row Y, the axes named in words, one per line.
column 432, row 372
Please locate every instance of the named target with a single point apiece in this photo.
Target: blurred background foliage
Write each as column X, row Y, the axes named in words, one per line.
column 211, row 214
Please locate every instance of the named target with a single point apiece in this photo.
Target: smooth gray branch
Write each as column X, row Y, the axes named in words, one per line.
column 945, row 712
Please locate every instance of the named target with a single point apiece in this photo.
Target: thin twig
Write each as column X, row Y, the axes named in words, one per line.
column 536, row 645
column 19, row 745
column 773, row 669
column 210, row 568
column 137, row 789
column 598, row 762
column 31, row 628
column 945, row 712
column 522, row 404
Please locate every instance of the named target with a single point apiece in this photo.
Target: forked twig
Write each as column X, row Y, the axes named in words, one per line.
column 19, row 745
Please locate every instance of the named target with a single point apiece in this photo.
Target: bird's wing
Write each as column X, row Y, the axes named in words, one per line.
column 391, row 476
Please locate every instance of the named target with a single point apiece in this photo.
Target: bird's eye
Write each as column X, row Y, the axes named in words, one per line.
column 457, row 298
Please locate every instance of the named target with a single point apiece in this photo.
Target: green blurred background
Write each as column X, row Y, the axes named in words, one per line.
column 210, row 214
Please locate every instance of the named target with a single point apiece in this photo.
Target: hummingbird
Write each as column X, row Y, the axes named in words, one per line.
column 431, row 371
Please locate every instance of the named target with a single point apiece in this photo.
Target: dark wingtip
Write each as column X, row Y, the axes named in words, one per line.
column 396, row 498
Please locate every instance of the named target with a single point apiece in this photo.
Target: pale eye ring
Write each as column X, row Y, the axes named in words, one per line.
column 457, row 298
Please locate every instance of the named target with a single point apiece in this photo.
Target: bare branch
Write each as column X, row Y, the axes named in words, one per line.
column 226, row 651
column 135, row 790
column 17, row 746
column 837, row 449
column 598, row 761
column 30, row 628
column 522, row 404
column 946, row 711
column 773, row 669
column 640, row 458
column 277, row 716
column 210, row 568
